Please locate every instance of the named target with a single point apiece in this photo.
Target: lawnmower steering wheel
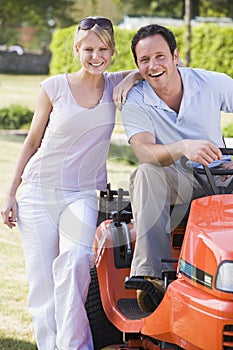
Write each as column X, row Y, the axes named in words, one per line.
column 210, row 187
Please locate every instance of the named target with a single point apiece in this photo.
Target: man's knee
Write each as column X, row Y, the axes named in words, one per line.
column 148, row 173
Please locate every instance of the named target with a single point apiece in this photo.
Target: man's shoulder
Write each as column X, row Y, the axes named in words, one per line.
column 136, row 91
column 205, row 78
column 201, row 73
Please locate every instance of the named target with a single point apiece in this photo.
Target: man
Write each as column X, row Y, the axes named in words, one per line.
column 174, row 112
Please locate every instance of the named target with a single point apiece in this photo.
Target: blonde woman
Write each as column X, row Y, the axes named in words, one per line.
column 61, row 165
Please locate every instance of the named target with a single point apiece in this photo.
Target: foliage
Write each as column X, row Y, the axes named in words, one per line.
column 125, row 59
column 211, row 49
column 122, row 153
column 41, row 14
column 31, row 23
column 41, row 17
column 63, row 60
column 217, row 8
column 228, row 130
column 176, row 8
column 14, row 116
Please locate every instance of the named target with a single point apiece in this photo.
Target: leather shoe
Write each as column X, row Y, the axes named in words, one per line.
column 145, row 303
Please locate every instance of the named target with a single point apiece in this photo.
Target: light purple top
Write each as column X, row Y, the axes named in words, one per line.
column 74, row 149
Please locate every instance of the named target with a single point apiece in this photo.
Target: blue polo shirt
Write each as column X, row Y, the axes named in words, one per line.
column 205, row 95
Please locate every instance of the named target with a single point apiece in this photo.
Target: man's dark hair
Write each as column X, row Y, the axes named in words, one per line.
column 150, row 30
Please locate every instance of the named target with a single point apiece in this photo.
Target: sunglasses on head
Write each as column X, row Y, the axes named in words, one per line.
column 89, row 22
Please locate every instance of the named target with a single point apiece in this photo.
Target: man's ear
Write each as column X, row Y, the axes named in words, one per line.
column 176, row 56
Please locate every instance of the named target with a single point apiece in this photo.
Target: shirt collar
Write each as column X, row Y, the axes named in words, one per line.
column 190, row 85
column 150, row 96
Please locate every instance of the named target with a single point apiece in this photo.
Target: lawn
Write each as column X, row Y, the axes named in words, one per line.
column 19, row 89
column 15, row 323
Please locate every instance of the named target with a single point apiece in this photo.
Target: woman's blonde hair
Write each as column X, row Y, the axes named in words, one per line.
column 106, row 35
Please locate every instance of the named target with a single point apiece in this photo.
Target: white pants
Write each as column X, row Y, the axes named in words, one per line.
column 57, row 230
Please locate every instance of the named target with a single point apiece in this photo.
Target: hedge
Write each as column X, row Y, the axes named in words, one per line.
column 211, row 49
column 15, row 117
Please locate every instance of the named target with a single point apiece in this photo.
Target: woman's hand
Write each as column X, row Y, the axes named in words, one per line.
column 9, row 212
column 121, row 90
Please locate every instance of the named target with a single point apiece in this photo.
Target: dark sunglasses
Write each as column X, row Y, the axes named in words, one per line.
column 89, row 22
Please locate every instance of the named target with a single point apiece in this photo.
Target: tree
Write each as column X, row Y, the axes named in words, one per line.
column 160, row 8
column 41, row 14
column 37, row 19
column 216, row 8
column 176, row 8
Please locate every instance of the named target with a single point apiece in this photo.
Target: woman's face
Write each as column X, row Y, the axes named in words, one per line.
column 94, row 55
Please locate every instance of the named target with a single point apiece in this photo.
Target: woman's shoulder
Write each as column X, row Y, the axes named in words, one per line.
column 54, row 85
column 113, row 77
column 53, row 79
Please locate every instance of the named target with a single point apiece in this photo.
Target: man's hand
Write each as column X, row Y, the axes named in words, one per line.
column 201, row 151
column 227, row 166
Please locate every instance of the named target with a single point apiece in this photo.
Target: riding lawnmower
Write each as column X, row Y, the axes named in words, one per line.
column 196, row 311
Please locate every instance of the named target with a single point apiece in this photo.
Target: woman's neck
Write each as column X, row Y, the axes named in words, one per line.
column 87, row 89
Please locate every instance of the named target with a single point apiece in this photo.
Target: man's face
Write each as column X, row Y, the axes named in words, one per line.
column 155, row 61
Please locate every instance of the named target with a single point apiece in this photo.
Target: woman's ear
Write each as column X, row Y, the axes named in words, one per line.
column 76, row 50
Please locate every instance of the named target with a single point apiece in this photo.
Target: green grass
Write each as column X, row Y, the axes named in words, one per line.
column 15, row 324
column 19, row 89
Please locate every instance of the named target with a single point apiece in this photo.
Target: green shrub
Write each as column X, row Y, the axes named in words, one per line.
column 14, row 116
column 228, row 130
column 123, row 153
column 211, row 49
column 63, row 60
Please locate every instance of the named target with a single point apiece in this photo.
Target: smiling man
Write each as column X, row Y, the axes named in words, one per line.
column 174, row 112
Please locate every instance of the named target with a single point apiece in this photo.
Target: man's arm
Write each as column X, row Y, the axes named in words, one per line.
column 147, row 151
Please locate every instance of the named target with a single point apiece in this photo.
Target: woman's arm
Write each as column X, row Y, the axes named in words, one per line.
column 121, row 90
column 30, row 146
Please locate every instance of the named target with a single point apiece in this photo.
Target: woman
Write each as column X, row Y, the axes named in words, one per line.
column 61, row 165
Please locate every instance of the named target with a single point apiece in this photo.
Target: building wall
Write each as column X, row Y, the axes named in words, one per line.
column 28, row 63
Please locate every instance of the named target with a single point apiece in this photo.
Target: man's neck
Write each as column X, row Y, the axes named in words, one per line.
column 172, row 96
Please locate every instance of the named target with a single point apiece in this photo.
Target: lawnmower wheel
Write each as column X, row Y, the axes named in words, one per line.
column 103, row 331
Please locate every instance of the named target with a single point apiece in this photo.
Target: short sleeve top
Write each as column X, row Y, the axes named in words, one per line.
column 205, row 95
column 74, row 149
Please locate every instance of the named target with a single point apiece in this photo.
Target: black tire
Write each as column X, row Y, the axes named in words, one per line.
column 104, row 333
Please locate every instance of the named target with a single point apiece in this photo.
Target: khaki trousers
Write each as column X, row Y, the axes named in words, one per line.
column 152, row 190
